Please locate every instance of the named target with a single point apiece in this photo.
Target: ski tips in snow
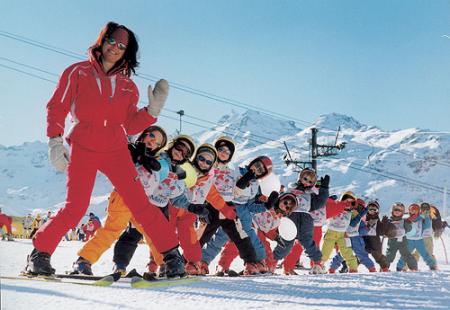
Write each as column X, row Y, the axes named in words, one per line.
column 137, row 282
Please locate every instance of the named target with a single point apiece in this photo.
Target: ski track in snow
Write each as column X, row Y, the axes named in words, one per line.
column 421, row 290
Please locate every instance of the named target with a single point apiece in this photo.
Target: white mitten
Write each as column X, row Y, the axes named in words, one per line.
column 157, row 97
column 58, row 154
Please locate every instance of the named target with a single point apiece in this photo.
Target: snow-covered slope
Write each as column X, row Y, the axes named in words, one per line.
column 28, row 182
column 394, row 290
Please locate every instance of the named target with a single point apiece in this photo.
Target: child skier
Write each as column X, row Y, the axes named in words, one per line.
column 375, row 229
column 336, row 234
column 397, row 239
column 242, row 189
column 355, row 232
column 307, row 200
column 419, row 223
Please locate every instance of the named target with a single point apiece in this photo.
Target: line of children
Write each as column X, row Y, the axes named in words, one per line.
column 221, row 193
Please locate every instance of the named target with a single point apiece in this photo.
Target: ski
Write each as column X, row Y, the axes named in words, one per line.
column 51, row 279
column 96, row 280
column 140, row 283
column 230, row 273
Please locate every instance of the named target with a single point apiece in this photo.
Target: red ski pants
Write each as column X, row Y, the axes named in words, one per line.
column 119, row 169
column 187, row 235
column 270, row 260
column 293, row 257
column 6, row 220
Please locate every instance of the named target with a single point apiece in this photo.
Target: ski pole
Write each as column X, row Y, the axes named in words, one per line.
column 445, row 250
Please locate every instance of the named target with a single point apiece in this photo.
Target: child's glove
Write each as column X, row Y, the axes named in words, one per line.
column 200, row 210
column 272, row 200
column 244, row 181
column 325, row 181
column 150, row 163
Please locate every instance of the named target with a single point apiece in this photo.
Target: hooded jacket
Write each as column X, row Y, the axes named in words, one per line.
column 103, row 107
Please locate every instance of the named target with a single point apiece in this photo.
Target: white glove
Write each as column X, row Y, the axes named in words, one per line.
column 157, row 97
column 58, row 153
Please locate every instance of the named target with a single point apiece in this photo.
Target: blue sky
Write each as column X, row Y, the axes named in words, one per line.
column 386, row 63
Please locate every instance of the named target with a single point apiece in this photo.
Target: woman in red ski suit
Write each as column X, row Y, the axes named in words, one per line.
column 102, row 100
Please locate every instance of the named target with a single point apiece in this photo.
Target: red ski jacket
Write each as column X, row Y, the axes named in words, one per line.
column 103, row 107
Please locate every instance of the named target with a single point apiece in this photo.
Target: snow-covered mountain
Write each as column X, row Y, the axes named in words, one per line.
column 404, row 165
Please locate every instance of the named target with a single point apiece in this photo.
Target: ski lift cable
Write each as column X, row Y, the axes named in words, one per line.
column 381, row 173
column 187, row 88
column 386, row 174
column 54, row 82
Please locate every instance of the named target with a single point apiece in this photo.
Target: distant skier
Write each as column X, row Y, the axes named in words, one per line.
column 420, row 223
column 397, row 236
column 375, row 229
column 6, row 221
column 308, row 200
column 27, row 224
column 36, row 224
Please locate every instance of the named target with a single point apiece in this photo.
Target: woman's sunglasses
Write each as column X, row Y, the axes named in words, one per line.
column 203, row 159
column 373, row 210
column 397, row 210
column 112, row 41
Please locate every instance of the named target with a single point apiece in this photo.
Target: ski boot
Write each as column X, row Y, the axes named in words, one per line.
column 289, row 272
column 120, row 268
column 262, row 267
column 9, row 237
column 192, row 269
column 384, row 269
column 152, row 268
column 331, row 270
column 82, row 266
column 344, row 268
column 317, row 268
column 271, row 265
column 353, row 270
column 174, row 264
column 162, row 271
column 221, row 271
column 372, row 269
column 38, row 263
column 204, row 270
column 250, row 269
